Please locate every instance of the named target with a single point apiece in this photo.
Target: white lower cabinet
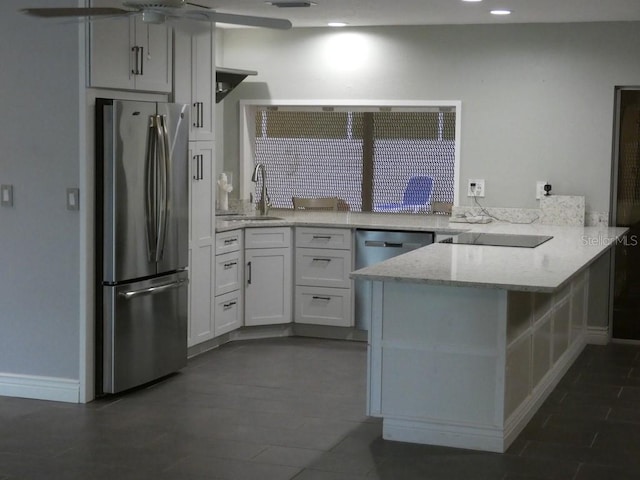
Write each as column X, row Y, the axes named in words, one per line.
column 201, row 281
column 228, row 272
column 268, row 277
column 228, row 314
column 323, row 306
column 323, row 293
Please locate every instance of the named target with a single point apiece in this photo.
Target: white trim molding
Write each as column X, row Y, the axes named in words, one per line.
column 598, row 335
column 40, row 388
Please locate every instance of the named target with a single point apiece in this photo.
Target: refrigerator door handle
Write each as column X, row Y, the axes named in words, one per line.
column 151, row 205
column 153, row 290
column 163, row 184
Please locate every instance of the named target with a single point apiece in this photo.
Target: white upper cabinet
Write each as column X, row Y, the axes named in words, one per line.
column 195, row 76
column 128, row 54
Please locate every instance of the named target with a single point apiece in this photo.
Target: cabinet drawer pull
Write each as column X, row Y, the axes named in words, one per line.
column 199, row 115
column 227, row 306
column 229, row 265
column 321, row 260
column 322, row 237
column 230, row 241
column 199, row 175
column 136, row 52
column 326, row 299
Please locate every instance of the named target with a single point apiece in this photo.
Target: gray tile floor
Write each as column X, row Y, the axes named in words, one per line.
column 292, row 408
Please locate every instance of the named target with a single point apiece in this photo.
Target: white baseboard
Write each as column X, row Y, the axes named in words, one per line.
column 40, row 388
column 485, row 438
column 598, row 335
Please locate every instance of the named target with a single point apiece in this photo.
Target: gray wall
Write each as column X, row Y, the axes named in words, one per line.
column 39, row 238
column 537, row 100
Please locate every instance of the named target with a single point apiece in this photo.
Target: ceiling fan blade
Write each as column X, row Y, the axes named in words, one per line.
column 236, row 19
column 73, row 12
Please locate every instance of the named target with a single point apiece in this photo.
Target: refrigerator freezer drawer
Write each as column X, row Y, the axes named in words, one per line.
column 145, row 331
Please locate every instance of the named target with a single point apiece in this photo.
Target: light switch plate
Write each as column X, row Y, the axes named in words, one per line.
column 6, row 195
column 73, row 199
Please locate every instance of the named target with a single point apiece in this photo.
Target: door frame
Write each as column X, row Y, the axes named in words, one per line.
column 613, row 205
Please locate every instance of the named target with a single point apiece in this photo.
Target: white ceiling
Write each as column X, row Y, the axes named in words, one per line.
column 436, row 12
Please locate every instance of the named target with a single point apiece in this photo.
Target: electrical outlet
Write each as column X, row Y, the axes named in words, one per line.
column 540, row 188
column 475, row 187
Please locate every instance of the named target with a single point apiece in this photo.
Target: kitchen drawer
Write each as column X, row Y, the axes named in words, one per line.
column 229, row 272
column 323, row 268
column 324, row 306
column 228, row 241
column 323, row 237
column 229, row 313
column 268, row 237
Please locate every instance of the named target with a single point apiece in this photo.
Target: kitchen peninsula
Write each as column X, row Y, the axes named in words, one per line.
column 467, row 341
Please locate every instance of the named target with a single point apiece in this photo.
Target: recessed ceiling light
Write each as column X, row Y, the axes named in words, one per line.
column 337, row 24
column 500, row 12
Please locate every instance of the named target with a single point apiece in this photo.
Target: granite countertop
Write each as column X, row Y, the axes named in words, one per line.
column 545, row 268
column 289, row 218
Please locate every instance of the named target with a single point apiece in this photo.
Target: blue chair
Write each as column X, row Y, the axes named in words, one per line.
column 417, row 195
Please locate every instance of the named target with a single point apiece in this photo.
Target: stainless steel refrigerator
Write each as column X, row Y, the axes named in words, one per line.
column 141, row 242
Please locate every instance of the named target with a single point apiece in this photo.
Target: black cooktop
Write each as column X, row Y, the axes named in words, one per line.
column 498, row 239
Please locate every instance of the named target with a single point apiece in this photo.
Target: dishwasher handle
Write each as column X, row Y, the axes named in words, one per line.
column 383, row 244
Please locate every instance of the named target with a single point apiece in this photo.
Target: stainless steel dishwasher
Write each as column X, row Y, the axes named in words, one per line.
column 374, row 246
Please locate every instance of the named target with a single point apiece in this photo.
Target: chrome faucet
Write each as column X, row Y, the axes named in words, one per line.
column 264, row 203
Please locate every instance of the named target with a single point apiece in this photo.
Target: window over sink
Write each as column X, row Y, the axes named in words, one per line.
column 382, row 157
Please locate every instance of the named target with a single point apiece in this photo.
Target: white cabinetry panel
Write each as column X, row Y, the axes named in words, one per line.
column 323, row 306
column 228, row 312
column 323, row 268
column 128, row 54
column 195, row 74
column 323, row 287
column 268, row 276
column 228, row 272
column 201, row 242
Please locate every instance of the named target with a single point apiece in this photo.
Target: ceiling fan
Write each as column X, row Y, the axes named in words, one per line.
column 157, row 11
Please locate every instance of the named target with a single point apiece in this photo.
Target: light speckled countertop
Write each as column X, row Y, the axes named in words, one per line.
column 427, row 223
column 545, row 268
